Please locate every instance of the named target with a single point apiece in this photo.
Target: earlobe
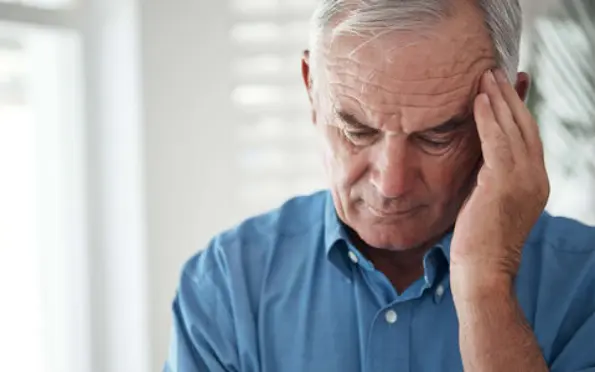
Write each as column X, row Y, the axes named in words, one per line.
column 523, row 84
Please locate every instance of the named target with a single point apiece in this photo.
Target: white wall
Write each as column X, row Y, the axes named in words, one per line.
column 188, row 142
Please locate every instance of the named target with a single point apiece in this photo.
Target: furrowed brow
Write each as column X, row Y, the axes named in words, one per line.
column 451, row 125
column 351, row 120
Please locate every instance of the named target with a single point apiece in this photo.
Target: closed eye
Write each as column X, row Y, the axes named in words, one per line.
column 360, row 133
column 354, row 130
column 435, row 142
column 440, row 138
column 360, row 137
column 435, row 146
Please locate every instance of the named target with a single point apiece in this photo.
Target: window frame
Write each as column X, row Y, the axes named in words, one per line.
column 113, row 286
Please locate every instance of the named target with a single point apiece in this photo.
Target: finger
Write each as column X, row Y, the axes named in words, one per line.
column 503, row 114
column 494, row 144
column 523, row 117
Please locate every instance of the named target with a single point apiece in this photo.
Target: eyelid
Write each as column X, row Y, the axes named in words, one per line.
column 359, row 131
column 436, row 141
column 436, row 135
column 453, row 127
column 361, row 137
column 361, row 134
column 362, row 130
column 448, row 132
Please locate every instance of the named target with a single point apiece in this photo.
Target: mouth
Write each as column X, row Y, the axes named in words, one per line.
column 393, row 213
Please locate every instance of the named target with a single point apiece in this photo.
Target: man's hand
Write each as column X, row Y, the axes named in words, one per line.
column 511, row 192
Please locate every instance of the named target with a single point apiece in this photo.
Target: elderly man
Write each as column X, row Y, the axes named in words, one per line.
column 431, row 251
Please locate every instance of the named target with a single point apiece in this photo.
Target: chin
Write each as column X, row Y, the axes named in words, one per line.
column 394, row 240
column 392, row 234
column 395, row 233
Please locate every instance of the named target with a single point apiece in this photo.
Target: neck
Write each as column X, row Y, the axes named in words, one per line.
column 403, row 267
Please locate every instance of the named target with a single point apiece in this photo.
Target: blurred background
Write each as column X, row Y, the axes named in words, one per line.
column 131, row 132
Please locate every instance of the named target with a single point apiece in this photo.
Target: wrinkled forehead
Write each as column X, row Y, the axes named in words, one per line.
column 433, row 47
column 409, row 73
column 423, row 78
column 411, row 55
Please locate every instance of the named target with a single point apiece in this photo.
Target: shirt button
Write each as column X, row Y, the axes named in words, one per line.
column 391, row 317
column 440, row 290
column 352, row 257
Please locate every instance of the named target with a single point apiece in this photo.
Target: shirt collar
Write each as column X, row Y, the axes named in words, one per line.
column 334, row 231
column 444, row 245
column 336, row 235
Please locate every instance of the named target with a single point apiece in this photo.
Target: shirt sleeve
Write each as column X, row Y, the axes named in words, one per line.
column 202, row 336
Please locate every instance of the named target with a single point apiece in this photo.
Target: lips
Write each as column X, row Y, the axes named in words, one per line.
column 393, row 212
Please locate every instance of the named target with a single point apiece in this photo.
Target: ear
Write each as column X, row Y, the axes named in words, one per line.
column 306, row 73
column 307, row 78
column 523, row 84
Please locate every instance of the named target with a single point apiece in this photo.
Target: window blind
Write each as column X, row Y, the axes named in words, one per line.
column 278, row 156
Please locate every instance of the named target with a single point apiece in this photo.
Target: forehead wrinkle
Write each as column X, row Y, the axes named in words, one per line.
column 398, row 118
column 426, row 86
column 344, row 89
column 403, row 117
column 371, row 115
column 458, row 51
column 387, row 90
column 402, row 99
column 412, row 90
column 360, row 91
column 337, row 106
column 341, row 62
column 464, row 29
column 408, row 115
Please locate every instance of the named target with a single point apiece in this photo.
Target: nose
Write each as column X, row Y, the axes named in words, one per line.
column 393, row 168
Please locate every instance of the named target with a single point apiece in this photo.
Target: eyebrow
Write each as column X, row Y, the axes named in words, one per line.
column 448, row 126
column 352, row 120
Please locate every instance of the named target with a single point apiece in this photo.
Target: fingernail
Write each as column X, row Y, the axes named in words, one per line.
column 500, row 76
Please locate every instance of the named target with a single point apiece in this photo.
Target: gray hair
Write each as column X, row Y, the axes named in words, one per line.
column 503, row 20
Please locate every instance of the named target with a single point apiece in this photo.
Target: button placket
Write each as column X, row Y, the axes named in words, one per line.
column 389, row 339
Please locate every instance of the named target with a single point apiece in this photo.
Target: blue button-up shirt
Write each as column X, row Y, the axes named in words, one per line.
column 287, row 291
